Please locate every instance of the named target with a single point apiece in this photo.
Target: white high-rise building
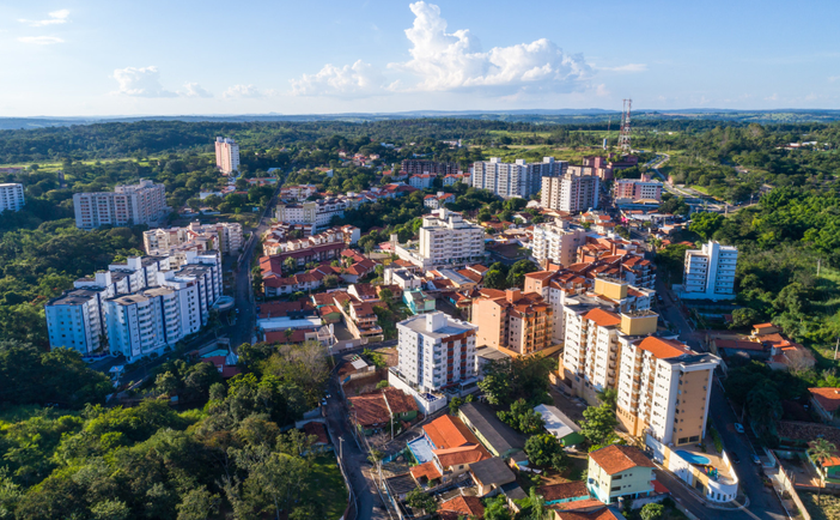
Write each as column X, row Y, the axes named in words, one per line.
column 227, row 155
column 11, row 197
column 570, row 193
column 709, row 273
column 556, row 242
column 223, row 236
column 446, row 238
column 74, row 320
column 436, row 351
column 143, row 203
column 518, row 179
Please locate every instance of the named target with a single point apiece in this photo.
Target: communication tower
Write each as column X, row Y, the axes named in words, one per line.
column 624, row 134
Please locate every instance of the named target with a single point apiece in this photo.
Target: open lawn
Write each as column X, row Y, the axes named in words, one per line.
column 328, row 484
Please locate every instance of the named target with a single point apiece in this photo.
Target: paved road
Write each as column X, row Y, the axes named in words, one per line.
column 355, row 460
column 763, row 502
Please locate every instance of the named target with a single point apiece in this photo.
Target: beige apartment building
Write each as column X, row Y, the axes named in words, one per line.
column 515, row 323
column 556, row 242
column 225, row 237
column 570, row 193
column 664, row 389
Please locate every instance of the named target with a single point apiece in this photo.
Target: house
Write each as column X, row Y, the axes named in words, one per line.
column 563, row 493
column 375, row 411
column 595, row 512
column 499, row 438
column 490, row 475
column 829, row 470
column 619, row 471
column 418, row 302
column 559, row 425
column 461, row 507
column 447, row 449
column 359, row 270
column 319, row 432
column 826, row 402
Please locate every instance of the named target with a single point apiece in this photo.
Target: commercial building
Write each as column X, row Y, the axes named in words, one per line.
column 518, row 179
column 11, row 196
column 637, row 189
column 664, row 389
column 227, row 155
column 570, row 193
column 557, row 243
column 436, row 351
column 515, row 323
column 143, row 203
column 709, row 273
column 223, row 236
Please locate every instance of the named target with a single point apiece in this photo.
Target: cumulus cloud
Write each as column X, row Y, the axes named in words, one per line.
column 244, row 91
column 454, row 61
column 141, row 82
column 54, row 18
column 40, row 40
column 350, row 80
column 195, row 90
column 444, row 61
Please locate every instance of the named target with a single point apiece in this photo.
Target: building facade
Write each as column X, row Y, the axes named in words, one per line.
column 421, row 166
column 223, row 236
column 446, row 238
column 11, row 196
column 511, row 321
column 636, row 189
column 518, row 179
column 143, row 203
column 227, row 155
column 570, row 193
column 709, row 273
column 556, row 242
column 436, row 351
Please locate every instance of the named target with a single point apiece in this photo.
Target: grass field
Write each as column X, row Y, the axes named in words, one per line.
column 328, row 484
column 829, row 508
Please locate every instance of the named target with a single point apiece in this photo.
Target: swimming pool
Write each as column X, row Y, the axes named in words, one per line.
column 693, row 458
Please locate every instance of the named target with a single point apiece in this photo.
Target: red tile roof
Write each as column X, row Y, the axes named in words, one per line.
column 462, row 506
column 604, row 513
column 829, row 398
column 399, row 401
column 449, row 432
column 317, row 429
column 603, row 318
column 461, row 455
column 616, row 458
column 563, row 491
column 664, row 348
column 427, row 469
column 368, row 409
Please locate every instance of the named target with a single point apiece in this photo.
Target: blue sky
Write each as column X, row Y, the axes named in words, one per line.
column 68, row 58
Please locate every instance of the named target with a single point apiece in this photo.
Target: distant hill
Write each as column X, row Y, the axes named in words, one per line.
column 548, row 116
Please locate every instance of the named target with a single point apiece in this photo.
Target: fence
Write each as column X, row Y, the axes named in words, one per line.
column 787, row 485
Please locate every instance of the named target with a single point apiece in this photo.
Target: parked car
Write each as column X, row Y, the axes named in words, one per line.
column 739, row 427
column 734, row 458
column 755, row 459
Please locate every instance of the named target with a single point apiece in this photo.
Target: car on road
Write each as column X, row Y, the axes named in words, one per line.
column 323, row 402
column 739, row 427
column 755, row 459
column 735, row 458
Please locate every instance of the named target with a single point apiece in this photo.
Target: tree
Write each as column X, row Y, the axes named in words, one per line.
column 166, row 384
column 382, row 384
column 599, row 424
column 744, row 317
column 495, row 279
column 516, row 275
column 110, row 510
column 652, row 512
column 821, row 451
column 522, row 417
column 706, row 224
column 496, row 509
column 454, row 405
column 542, row 448
column 417, row 499
column 507, row 380
column 533, row 507
column 198, row 504
column 290, row 265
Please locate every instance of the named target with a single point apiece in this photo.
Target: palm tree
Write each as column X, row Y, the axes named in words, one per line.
column 820, row 452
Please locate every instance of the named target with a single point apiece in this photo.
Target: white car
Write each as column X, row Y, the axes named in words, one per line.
column 739, row 427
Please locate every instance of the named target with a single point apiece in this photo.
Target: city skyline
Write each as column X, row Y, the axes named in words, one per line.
column 100, row 59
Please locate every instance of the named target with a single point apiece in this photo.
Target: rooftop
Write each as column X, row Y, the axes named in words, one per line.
column 829, row 398
column 616, row 458
column 499, row 435
column 492, row 471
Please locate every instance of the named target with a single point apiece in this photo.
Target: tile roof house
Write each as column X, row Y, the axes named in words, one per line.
column 619, row 471
column 373, row 412
column 597, row 513
column 566, row 492
column 453, row 450
column 461, row 507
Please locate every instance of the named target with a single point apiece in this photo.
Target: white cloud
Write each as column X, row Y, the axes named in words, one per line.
column 141, row 82
column 244, row 91
column 350, row 80
column 55, row 17
column 630, row 67
column 195, row 90
column 40, row 40
column 832, row 79
column 451, row 61
column 443, row 61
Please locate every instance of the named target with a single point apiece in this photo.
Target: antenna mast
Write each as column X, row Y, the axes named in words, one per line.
column 624, row 135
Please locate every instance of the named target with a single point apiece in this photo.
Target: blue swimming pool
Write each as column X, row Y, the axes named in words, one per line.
column 693, row 458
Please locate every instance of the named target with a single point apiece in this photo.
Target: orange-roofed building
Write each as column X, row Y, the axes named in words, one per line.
column 516, row 323
column 452, row 448
column 826, row 402
column 664, row 388
column 461, row 507
column 619, row 472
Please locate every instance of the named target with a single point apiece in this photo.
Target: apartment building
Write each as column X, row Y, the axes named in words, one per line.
column 298, row 192
column 709, row 273
column 664, row 389
column 11, row 196
column 556, row 242
column 518, row 179
column 223, row 236
column 421, row 166
column 585, row 284
column 79, row 318
column 143, row 203
column 346, row 235
column 227, row 155
column 513, row 322
column 421, row 181
column 436, row 351
column 637, row 189
column 74, row 320
column 593, row 336
column 446, row 239
column 570, row 193
column 318, row 213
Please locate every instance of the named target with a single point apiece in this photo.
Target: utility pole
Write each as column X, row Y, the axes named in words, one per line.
column 836, row 347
